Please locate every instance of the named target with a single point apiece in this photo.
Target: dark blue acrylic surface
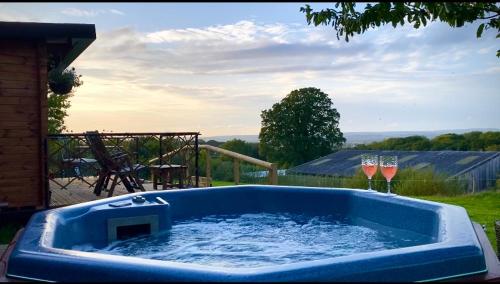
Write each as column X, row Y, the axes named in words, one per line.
column 447, row 246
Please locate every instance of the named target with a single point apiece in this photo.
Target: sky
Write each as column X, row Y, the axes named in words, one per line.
column 214, row 67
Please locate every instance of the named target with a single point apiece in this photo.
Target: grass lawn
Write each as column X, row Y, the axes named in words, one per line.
column 483, row 208
column 223, row 183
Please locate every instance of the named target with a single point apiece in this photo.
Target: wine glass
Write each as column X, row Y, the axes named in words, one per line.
column 389, row 167
column 369, row 163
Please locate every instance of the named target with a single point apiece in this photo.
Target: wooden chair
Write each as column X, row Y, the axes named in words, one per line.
column 116, row 163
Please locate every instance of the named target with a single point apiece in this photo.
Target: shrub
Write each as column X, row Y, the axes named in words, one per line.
column 222, row 170
column 409, row 182
column 310, row 180
column 359, row 180
column 427, row 182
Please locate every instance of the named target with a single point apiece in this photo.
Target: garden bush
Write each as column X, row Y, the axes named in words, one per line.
column 422, row 182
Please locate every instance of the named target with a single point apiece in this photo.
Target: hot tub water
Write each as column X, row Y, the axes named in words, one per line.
column 260, row 239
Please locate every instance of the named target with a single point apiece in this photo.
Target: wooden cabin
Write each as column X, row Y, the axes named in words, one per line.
column 27, row 52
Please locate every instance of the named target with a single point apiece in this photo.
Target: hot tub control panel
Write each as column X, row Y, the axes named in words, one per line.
column 120, row 204
column 138, row 199
column 125, row 218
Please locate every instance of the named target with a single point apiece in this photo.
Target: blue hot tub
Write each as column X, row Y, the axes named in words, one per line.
column 249, row 233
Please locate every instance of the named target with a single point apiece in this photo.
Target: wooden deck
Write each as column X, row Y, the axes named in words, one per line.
column 78, row 192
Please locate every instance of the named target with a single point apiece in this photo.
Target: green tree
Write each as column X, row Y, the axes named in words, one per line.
column 490, row 138
column 241, row 147
column 470, row 141
column 492, row 148
column 473, row 141
column 346, row 20
column 58, row 104
column 416, row 143
column 300, row 128
column 57, row 111
column 410, row 143
column 214, row 143
column 450, row 141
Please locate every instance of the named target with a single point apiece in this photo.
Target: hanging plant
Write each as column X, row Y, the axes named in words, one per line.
column 63, row 83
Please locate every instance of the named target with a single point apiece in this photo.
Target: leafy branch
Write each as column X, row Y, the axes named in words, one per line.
column 347, row 21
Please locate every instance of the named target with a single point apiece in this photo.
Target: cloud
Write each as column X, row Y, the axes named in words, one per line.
column 192, row 51
column 81, row 13
column 217, row 78
column 11, row 15
column 242, row 32
column 213, row 76
column 118, row 12
column 89, row 13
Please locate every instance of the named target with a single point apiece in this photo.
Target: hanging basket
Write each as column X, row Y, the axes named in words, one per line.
column 61, row 83
column 60, row 88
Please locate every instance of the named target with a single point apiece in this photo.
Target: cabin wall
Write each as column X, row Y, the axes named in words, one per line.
column 23, row 123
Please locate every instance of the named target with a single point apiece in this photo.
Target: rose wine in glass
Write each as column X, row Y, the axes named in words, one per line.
column 369, row 164
column 389, row 167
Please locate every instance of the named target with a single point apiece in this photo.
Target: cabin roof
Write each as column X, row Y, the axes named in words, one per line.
column 65, row 42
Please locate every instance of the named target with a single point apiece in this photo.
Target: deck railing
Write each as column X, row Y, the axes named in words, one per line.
column 237, row 158
column 69, row 158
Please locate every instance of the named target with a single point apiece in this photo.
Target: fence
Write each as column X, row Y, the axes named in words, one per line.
column 68, row 157
column 272, row 177
column 406, row 182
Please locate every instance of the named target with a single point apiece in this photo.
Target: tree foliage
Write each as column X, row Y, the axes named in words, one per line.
column 410, row 143
column 300, row 128
column 242, row 147
column 470, row 141
column 347, row 21
column 213, row 143
column 222, row 166
column 57, row 111
column 59, row 104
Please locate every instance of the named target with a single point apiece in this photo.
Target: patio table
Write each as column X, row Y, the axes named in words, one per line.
column 167, row 173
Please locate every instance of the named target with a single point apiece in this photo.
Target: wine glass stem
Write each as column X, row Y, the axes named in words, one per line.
column 369, row 183
column 389, row 186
